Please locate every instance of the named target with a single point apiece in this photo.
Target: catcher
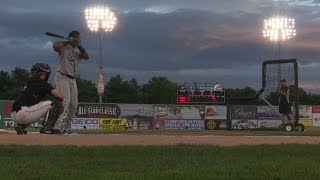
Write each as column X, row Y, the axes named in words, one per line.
column 28, row 107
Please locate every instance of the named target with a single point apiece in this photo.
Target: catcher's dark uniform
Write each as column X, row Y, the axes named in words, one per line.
column 30, row 106
column 32, row 94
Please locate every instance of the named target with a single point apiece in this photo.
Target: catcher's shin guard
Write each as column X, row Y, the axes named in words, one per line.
column 54, row 113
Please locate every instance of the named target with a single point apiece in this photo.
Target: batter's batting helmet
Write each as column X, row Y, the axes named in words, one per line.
column 38, row 68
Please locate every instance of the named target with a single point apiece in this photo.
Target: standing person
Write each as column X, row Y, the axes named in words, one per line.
column 217, row 87
column 70, row 54
column 28, row 107
column 284, row 105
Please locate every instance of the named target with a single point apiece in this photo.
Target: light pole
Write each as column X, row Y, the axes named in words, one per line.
column 103, row 20
column 279, row 29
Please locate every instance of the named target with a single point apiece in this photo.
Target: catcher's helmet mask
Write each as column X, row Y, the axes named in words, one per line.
column 39, row 68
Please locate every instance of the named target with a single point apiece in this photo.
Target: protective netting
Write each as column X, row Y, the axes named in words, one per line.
column 275, row 71
column 273, row 74
column 265, row 111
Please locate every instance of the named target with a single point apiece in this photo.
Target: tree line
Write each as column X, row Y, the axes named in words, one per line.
column 158, row 90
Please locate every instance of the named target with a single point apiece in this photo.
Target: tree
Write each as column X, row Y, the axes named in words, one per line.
column 6, row 84
column 133, row 94
column 119, row 91
column 19, row 78
column 87, row 91
column 113, row 90
column 246, row 92
column 12, row 83
column 159, row 90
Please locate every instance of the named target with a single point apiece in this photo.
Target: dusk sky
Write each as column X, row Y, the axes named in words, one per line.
column 183, row 40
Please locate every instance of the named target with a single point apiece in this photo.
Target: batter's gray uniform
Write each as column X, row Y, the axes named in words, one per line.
column 69, row 59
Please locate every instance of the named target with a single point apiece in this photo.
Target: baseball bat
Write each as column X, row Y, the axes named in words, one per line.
column 54, row 35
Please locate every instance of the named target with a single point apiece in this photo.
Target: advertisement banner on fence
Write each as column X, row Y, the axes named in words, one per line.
column 305, row 112
column 244, row 112
column 85, row 123
column 141, row 110
column 184, row 124
column 215, row 124
column 269, row 124
column 216, row 112
column 142, row 123
column 306, row 123
column 316, row 119
column 94, row 110
column 268, row 113
column 139, row 116
column 178, row 124
column 316, row 109
column 244, row 124
column 112, row 123
column 179, row 112
column 160, row 111
column 158, row 123
column 5, row 114
column 190, row 112
column 145, row 124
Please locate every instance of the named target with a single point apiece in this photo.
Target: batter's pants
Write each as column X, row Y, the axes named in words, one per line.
column 68, row 87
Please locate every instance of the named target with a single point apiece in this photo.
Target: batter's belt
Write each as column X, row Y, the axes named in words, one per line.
column 67, row 75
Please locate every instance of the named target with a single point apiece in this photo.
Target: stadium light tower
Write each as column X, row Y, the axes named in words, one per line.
column 100, row 19
column 279, row 29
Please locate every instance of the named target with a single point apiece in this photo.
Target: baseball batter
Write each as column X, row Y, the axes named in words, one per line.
column 28, row 107
column 70, row 54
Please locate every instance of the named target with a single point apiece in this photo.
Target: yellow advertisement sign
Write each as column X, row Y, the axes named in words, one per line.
column 112, row 123
column 306, row 123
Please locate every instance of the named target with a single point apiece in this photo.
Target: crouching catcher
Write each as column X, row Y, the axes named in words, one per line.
column 30, row 104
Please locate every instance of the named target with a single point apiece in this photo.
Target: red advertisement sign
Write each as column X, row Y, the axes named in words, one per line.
column 316, row 109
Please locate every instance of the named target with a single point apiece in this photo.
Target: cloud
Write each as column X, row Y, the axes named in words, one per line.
column 185, row 40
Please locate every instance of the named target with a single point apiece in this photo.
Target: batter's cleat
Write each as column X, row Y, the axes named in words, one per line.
column 45, row 131
column 55, row 131
column 68, row 132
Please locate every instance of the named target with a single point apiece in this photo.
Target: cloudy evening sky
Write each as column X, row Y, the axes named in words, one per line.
column 183, row 40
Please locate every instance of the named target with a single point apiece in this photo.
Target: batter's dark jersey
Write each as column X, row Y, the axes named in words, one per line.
column 32, row 94
column 284, row 106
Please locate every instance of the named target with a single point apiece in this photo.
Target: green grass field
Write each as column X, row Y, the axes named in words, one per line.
column 160, row 162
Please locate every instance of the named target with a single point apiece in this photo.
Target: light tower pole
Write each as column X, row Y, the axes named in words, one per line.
column 100, row 19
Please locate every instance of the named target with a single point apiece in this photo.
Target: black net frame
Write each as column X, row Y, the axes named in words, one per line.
column 264, row 90
column 294, row 97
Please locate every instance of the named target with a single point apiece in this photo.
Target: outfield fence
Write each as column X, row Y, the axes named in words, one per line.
column 117, row 116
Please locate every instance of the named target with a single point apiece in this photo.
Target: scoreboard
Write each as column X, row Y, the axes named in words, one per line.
column 200, row 96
